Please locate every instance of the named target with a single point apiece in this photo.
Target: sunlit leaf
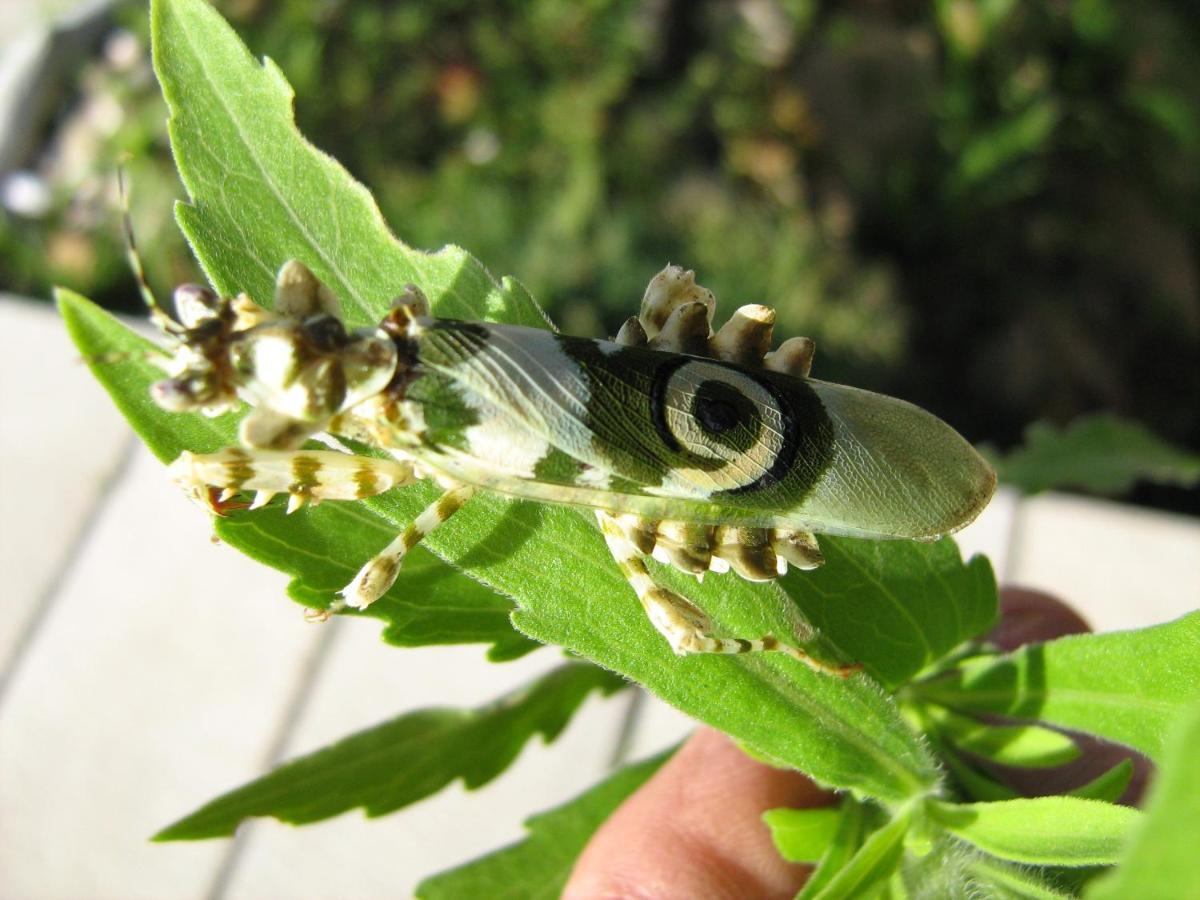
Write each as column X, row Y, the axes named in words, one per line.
column 1126, row 686
column 803, row 835
column 407, row 759
column 1049, row 831
column 871, row 865
column 896, row 606
column 1032, row 746
column 1162, row 850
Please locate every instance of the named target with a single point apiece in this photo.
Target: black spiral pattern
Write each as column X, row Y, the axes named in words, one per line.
column 735, row 431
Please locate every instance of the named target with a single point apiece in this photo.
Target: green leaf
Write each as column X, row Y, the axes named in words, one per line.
column 1102, row 453
column 803, row 835
column 896, row 606
column 1127, row 686
column 231, row 126
column 539, row 865
column 1031, row 746
column 951, row 868
column 403, row 760
column 841, row 732
column 1048, row 831
column 873, row 864
column 975, row 784
column 260, row 194
column 845, row 843
column 1003, row 881
column 1162, row 851
column 1108, row 786
column 431, row 603
column 1012, row 140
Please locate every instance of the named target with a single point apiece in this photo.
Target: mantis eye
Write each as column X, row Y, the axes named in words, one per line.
column 325, row 333
column 195, row 304
column 191, row 390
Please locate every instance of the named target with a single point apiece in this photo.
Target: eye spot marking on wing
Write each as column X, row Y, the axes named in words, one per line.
column 733, row 429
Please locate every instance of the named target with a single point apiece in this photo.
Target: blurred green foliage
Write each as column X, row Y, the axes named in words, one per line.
column 990, row 208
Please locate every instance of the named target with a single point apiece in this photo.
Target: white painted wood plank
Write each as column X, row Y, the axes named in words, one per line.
column 60, row 440
column 156, row 682
column 366, row 682
column 1120, row 566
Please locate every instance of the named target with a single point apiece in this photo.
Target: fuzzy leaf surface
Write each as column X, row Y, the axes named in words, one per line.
column 846, row 840
column 1041, row 831
column 871, row 865
column 406, row 759
column 1004, row 881
column 538, row 866
column 1127, row 686
column 259, row 194
column 949, row 867
column 896, row 606
column 1162, row 851
column 231, row 127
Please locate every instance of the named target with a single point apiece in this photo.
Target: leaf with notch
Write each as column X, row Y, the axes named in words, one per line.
column 407, row 759
column 432, row 603
column 260, row 195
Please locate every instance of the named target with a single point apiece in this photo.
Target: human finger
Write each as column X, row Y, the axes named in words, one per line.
column 695, row 830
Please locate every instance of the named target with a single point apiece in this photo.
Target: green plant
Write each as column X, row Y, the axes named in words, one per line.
column 907, row 743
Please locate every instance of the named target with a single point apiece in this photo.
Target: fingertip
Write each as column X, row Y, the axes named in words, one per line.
column 695, row 829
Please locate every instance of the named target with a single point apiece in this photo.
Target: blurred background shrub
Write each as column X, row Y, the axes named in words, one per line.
column 990, row 208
